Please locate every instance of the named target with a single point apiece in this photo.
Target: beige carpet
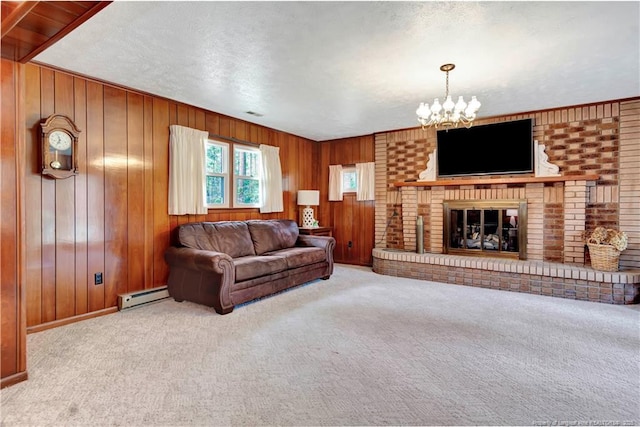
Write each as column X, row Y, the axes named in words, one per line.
column 358, row 349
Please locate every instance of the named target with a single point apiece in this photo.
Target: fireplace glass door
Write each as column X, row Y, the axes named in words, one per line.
column 490, row 230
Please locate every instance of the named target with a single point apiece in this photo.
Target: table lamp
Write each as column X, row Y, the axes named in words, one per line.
column 308, row 198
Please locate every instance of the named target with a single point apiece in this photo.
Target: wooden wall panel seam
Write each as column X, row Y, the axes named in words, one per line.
column 80, row 191
column 47, row 193
column 33, row 197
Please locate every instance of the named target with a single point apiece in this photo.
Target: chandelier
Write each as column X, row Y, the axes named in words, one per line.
column 448, row 114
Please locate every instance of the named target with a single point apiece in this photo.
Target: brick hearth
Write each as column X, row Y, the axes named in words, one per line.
column 534, row 277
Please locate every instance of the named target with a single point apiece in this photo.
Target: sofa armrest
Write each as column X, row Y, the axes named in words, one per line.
column 204, row 277
column 317, row 241
column 196, row 259
column 324, row 242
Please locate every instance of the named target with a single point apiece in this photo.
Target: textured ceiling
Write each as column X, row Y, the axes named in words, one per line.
column 327, row 70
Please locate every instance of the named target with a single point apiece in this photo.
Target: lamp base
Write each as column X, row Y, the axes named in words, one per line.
column 307, row 217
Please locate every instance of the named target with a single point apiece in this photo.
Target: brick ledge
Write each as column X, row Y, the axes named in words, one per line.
column 539, row 268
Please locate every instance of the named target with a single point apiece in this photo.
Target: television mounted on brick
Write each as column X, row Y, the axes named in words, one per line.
column 494, row 149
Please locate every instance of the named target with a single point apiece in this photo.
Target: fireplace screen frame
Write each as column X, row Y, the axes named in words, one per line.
column 486, row 205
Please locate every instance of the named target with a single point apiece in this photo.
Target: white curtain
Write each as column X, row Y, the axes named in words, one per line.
column 272, row 200
column 366, row 181
column 187, row 173
column 335, row 182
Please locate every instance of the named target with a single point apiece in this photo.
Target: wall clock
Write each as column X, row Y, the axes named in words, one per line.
column 59, row 146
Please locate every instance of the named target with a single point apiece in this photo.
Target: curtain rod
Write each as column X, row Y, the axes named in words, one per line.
column 229, row 139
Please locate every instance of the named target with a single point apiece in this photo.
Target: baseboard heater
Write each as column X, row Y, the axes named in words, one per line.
column 136, row 299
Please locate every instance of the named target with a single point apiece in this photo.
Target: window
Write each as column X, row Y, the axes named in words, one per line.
column 217, row 174
column 246, row 170
column 243, row 177
column 349, row 180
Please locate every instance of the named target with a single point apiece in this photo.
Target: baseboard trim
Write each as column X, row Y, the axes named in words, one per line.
column 14, row 379
column 68, row 320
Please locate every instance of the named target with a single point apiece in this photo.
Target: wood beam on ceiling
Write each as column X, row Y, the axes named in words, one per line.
column 18, row 14
column 66, row 30
column 18, row 29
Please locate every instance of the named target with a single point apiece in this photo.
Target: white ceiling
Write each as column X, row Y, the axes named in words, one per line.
column 326, row 70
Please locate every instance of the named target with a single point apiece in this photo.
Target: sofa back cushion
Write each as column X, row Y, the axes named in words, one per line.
column 273, row 234
column 229, row 237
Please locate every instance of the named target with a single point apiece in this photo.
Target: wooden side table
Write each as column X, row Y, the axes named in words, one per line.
column 317, row 231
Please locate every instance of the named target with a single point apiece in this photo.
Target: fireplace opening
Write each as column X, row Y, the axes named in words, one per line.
column 486, row 228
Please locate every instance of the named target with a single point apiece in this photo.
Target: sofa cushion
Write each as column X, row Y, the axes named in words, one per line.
column 196, row 235
column 297, row 257
column 250, row 267
column 273, row 234
column 233, row 238
column 229, row 237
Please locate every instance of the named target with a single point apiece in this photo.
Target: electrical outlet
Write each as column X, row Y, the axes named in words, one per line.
column 98, row 278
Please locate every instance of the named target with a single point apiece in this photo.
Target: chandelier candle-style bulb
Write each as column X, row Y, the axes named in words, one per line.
column 448, row 114
column 436, row 107
column 448, row 104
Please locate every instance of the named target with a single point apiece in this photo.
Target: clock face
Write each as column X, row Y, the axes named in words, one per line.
column 60, row 140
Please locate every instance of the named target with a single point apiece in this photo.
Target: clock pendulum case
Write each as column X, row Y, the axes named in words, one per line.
column 59, row 146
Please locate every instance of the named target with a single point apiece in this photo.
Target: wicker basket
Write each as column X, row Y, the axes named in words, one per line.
column 604, row 257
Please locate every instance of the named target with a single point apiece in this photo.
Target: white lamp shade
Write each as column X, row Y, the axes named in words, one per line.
column 308, row 197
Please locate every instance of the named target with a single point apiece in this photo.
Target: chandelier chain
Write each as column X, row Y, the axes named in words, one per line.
column 446, row 93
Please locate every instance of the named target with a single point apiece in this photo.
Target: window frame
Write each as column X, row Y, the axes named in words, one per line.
column 237, row 177
column 348, row 170
column 230, row 177
column 226, row 175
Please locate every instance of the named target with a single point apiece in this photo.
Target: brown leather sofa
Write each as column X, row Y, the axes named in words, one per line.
column 223, row 264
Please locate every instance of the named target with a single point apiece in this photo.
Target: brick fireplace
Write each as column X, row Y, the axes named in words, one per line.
column 555, row 205
column 596, row 148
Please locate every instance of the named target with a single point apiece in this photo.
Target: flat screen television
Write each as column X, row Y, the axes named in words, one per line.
column 498, row 148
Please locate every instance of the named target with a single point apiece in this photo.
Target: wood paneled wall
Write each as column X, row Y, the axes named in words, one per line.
column 112, row 217
column 351, row 220
column 13, row 328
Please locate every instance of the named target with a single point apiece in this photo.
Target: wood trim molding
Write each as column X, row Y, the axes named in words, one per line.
column 14, row 379
column 489, row 181
column 69, row 320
